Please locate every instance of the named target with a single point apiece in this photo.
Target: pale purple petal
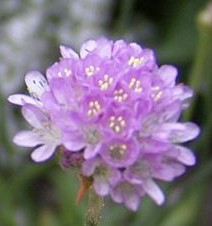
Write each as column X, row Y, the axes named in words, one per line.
column 177, row 132
column 168, row 74
column 132, row 201
column 127, row 193
column 185, row 155
column 101, row 186
column 27, row 139
column 87, row 47
column 91, row 151
column 21, row 99
column 168, row 171
column 34, row 116
column 89, row 166
column 74, row 145
column 42, row 153
column 153, row 191
column 67, row 52
column 36, row 83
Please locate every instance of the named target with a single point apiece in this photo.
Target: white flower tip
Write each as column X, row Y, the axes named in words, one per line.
column 153, row 190
column 12, row 99
column 186, row 156
column 168, row 73
column 16, row 140
column 67, row 52
column 36, row 83
column 87, row 47
column 42, row 153
column 16, row 99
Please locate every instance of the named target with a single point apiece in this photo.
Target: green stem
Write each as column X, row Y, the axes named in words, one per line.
column 201, row 72
column 95, row 205
column 124, row 17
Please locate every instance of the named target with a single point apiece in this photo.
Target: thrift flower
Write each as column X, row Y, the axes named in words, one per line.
column 44, row 133
column 114, row 114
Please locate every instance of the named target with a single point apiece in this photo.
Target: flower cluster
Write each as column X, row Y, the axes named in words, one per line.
column 113, row 113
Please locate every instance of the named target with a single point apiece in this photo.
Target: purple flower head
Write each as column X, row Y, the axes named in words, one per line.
column 114, row 114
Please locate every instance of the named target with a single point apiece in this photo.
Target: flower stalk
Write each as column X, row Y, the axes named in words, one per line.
column 200, row 78
column 94, row 208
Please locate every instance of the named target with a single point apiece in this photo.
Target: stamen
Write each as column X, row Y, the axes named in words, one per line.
column 135, row 85
column 156, row 93
column 117, row 124
column 91, row 70
column 105, row 82
column 120, row 95
column 134, row 62
column 94, row 108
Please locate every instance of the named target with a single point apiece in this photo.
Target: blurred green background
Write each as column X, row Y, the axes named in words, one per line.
column 31, row 31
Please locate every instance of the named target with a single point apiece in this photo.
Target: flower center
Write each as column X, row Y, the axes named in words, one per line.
column 93, row 136
column 135, row 85
column 105, row 82
column 49, row 133
column 90, row 70
column 101, row 171
column 117, row 151
column 117, row 124
column 156, row 93
column 141, row 169
column 120, row 95
column 135, row 61
column 94, row 108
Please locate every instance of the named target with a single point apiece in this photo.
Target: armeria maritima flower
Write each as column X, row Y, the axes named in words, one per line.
column 114, row 112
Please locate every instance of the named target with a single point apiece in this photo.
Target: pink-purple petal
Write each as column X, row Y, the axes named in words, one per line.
column 67, row 52
column 34, row 116
column 43, row 153
column 185, row 155
column 21, row 99
column 101, row 186
column 27, row 139
column 153, row 190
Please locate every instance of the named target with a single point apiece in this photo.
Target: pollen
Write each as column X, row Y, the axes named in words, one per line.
column 66, row 72
column 134, row 61
column 117, row 124
column 135, row 85
column 91, row 70
column 156, row 93
column 94, row 108
column 106, row 82
column 120, row 95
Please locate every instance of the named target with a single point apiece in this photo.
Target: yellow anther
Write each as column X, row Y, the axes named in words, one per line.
column 91, row 70
column 158, row 96
column 120, row 95
column 105, row 82
column 155, row 88
column 117, row 124
column 156, row 93
column 94, row 108
column 135, row 85
column 134, row 62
